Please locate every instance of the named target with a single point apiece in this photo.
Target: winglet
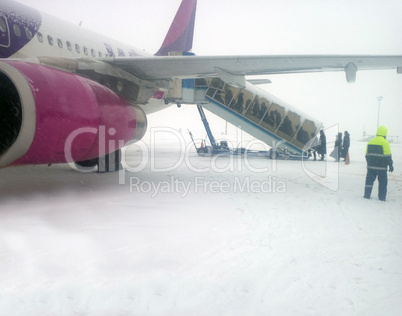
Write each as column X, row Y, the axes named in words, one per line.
column 180, row 35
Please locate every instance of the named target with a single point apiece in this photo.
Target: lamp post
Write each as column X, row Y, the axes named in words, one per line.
column 378, row 117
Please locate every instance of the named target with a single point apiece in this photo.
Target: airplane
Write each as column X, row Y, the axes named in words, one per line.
column 68, row 94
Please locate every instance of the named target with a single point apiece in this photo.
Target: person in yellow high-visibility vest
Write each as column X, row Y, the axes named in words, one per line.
column 379, row 158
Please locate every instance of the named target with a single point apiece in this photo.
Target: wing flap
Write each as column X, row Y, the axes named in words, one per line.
column 152, row 68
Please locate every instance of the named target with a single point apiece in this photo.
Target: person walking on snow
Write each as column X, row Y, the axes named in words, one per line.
column 378, row 157
column 336, row 153
column 322, row 147
column 345, row 145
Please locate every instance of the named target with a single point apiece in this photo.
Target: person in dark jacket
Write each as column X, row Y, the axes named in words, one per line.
column 336, row 153
column 339, row 146
column 379, row 158
column 322, row 147
column 345, row 145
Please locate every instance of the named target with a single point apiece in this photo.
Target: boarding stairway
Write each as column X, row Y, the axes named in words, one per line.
column 255, row 111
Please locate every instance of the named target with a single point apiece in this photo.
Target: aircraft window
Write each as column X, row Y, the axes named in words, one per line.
column 234, row 98
column 264, row 108
column 110, row 52
column 77, row 48
column 228, row 96
column 273, row 118
column 253, row 106
column 121, row 52
column 59, row 43
column 100, row 54
column 307, row 131
column 217, row 83
column 17, row 30
column 258, row 109
column 4, row 33
column 200, row 82
column 211, row 92
column 28, row 33
column 289, row 126
column 69, row 46
column 50, row 40
column 93, row 53
column 3, row 24
column 131, row 53
column 85, row 51
column 40, row 37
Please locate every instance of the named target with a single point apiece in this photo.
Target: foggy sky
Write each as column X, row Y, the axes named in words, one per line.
column 272, row 27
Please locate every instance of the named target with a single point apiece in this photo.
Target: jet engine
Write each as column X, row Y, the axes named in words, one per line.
column 52, row 116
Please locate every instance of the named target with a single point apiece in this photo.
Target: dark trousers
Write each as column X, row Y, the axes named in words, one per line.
column 372, row 174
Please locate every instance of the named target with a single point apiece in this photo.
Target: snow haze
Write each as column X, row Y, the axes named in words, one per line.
column 179, row 234
column 190, row 235
column 275, row 27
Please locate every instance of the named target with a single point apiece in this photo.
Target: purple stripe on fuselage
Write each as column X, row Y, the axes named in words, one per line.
column 18, row 26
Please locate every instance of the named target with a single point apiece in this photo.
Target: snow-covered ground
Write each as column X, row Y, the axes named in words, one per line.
column 189, row 235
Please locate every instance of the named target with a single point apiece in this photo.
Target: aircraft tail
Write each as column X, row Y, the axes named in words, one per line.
column 180, row 35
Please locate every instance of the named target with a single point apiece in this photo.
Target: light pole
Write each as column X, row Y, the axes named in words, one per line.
column 378, row 117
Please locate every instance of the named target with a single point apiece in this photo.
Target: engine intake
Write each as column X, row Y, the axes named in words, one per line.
column 10, row 113
column 51, row 116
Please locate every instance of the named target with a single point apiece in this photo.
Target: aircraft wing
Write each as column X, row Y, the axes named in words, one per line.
column 151, row 68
